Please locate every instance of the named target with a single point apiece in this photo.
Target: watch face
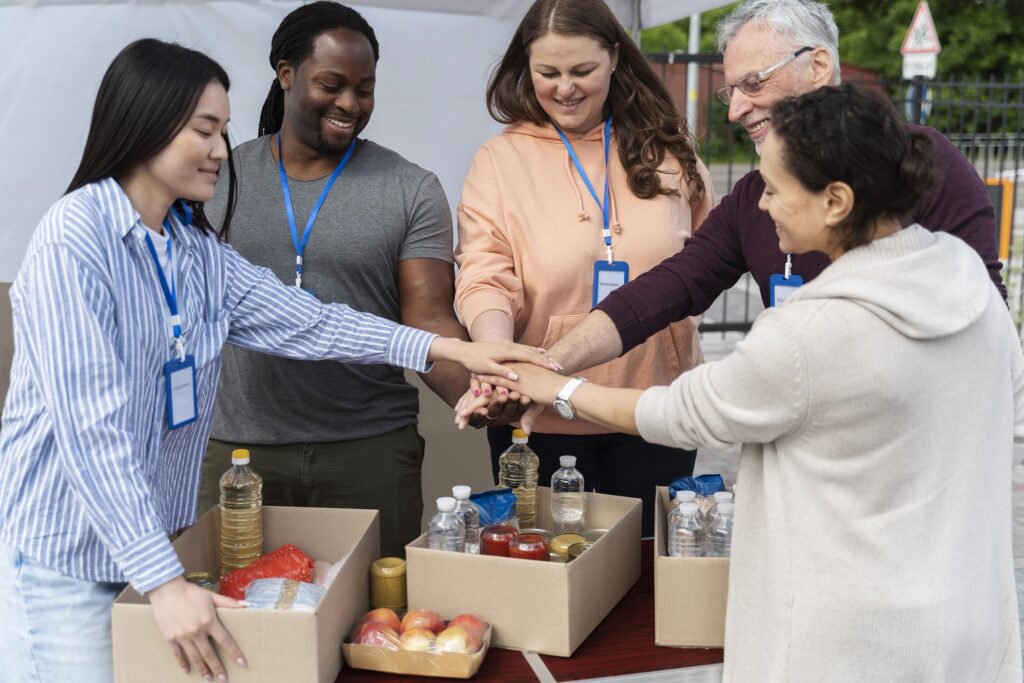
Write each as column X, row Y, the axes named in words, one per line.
column 564, row 409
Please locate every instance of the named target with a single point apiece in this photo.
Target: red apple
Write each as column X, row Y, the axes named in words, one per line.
column 457, row 639
column 418, row 639
column 423, row 618
column 373, row 633
column 385, row 616
column 473, row 624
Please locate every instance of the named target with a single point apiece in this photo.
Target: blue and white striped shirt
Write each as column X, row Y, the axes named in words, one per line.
column 91, row 480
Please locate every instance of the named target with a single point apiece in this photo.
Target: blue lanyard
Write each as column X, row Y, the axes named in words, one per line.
column 170, row 290
column 606, row 207
column 300, row 246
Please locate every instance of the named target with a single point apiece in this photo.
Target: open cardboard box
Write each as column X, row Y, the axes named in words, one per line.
column 547, row 607
column 279, row 645
column 689, row 592
column 443, row 664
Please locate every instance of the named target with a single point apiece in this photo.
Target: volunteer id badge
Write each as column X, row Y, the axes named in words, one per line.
column 780, row 289
column 608, row 277
column 180, row 380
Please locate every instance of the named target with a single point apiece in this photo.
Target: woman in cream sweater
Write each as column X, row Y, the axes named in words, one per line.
column 877, row 410
column 596, row 166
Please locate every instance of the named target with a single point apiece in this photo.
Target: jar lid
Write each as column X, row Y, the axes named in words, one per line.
column 387, row 567
column 560, row 544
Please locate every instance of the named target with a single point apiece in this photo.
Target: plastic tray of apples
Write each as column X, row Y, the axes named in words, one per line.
column 418, row 643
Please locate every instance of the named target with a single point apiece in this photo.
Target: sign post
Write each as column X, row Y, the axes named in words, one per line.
column 920, row 50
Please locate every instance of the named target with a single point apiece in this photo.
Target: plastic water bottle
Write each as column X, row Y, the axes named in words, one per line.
column 470, row 516
column 517, row 469
column 241, row 514
column 447, row 531
column 686, row 533
column 712, row 514
column 568, row 501
column 719, row 534
column 681, row 497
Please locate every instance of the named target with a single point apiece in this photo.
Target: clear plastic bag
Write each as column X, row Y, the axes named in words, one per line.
column 283, row 594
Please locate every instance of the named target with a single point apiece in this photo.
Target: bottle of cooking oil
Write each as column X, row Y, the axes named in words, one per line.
column 241, row 514
column 517, row 469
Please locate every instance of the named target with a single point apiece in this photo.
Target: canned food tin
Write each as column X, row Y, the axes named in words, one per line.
column 555, row 557
column 577, row 549
column 203, row 580
column 591, row 535
column 560, row 544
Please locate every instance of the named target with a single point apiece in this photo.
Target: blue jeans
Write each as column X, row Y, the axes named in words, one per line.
column 54, row 627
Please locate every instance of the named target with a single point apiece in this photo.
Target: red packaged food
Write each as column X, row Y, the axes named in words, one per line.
column 287, row 562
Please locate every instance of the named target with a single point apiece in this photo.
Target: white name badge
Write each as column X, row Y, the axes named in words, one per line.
column 180, row 380
column 608, row 277
column 780, row 288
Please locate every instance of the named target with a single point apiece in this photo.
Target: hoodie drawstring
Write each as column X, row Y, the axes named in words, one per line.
column 582, row 215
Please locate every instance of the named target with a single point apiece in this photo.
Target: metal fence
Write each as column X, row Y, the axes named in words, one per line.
column 983, row 118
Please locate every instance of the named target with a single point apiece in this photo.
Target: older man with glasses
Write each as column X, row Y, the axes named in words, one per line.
column 772, row 49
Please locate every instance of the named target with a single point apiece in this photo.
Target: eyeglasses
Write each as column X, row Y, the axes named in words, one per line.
column 752, row 83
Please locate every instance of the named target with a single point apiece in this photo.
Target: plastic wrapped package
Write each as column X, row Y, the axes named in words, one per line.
column 283, row 594
column 497, row 506
column 419, row 644
column 287, row 562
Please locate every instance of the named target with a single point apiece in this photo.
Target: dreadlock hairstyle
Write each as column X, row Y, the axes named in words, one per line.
column 293, row 43
column 647, row 122
column 146, row 97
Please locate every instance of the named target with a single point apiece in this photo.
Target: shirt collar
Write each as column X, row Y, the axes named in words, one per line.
column 124, row 217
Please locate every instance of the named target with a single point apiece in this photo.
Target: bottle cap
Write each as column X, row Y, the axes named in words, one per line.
column 519, row 436
column 461, row 492
column 685, row 496
column 688, row 508
column 723, row 497
column 446, row 504
column 567, row 460
column 240, row 456
column 726, row 509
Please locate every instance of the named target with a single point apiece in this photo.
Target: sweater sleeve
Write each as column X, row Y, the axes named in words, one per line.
column 959, row 205
column 487, row 279
column 754, row 395
column 686, row 283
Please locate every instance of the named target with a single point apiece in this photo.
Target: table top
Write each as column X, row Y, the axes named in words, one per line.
column 622, row 644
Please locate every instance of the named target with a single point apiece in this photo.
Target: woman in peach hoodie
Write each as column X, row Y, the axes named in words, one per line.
column 594, row 182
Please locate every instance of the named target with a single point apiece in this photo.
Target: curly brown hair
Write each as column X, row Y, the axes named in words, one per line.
column 647, row 122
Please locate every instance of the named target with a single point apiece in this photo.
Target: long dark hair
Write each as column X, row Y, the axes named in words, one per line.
column 145, row 98
column 293, row 43
column 849, row 134
column 647, row 122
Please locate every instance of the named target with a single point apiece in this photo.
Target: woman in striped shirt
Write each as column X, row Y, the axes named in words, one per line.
column 121, row 307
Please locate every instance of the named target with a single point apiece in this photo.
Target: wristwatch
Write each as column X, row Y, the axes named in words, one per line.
column 562, row 404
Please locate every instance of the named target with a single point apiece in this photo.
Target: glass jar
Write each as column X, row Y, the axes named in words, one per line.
column 494, row 539
column 529, row 547
column 387, row 583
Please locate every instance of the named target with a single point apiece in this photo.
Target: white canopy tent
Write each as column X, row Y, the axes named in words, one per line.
column 435, row 59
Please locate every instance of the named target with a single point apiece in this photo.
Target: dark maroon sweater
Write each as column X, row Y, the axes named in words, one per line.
column 738, row 237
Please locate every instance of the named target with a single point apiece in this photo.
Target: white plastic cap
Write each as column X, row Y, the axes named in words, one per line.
column 461, row 492
column 446, row 504
column 688, row 509
column 685, row 496
column 240, row 456
column 519, row 436
column 723, row 497
column 726, row 509
column 567, row 460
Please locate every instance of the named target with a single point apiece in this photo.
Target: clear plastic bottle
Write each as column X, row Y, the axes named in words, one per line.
column 447, row 530
column 712, row 514
column 470, row 516
column 686, row 533
column 517, row 469
column 719, row 534
column 241, row 514
column 568, row 501
column 681, row 497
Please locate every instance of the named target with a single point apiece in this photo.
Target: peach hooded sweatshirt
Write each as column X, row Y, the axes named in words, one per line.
column 530, row 232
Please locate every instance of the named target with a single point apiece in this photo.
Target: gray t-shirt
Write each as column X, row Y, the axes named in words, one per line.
column 382, row 209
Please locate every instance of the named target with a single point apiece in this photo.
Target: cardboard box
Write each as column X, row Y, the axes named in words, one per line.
column 279, row 645
column 442, row 664
column 546, row 607
column 689, row 592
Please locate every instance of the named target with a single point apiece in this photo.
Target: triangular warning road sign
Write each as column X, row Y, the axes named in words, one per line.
column 921, row 38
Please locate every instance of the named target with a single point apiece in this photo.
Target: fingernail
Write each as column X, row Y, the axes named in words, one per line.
column 513, row 376
column 243, row 603
column 207, row 677
column 487, row 392
column 476, row 392
column 222, row 677
column 241, row 663
column 542, row 350
column 555, row 365
column 504, row 392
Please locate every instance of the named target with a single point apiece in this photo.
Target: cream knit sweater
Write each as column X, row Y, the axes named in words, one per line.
column 877, row 411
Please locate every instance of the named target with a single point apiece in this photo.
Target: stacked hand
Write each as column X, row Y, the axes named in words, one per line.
column 527, row 385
